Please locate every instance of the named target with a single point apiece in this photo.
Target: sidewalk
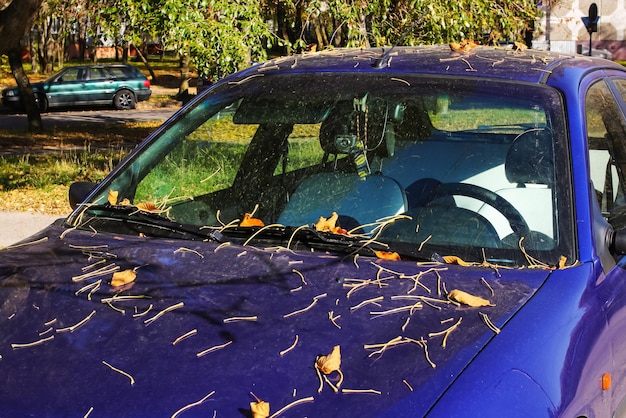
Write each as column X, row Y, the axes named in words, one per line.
column 15, row 226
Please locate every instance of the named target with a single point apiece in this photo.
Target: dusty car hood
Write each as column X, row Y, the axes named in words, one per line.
column 229, row 321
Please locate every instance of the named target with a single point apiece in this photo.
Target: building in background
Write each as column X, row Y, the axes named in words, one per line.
column 561, row 28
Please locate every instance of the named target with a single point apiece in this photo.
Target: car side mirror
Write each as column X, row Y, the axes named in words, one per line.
column 618, row 241
column 79, row 192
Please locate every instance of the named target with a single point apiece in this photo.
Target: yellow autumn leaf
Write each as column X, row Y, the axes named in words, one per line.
column 121, row 278
column 248, row 220
column 453, row 259
column 148, row 207
column 112, row 197
column 464, row 45
column 330, row 225
column 330, row 363
column 260, row 409
column 387, row 255
column 465, row 298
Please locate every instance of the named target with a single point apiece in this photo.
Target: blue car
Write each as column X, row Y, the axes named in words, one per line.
column 400, row 232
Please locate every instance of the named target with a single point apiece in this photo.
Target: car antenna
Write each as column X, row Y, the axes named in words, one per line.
column 383, row 61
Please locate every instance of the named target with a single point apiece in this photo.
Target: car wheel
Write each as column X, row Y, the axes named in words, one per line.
column 124, row 100
column 42, row 102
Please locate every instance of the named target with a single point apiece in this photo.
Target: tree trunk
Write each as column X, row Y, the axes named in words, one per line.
column 146, row 63
column 26, row 91
column 15, row 21
column 183, row 87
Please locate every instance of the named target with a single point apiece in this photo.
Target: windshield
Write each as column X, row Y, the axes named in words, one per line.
column 422, row 166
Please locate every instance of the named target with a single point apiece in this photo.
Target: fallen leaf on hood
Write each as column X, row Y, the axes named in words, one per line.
column 259, row 408
column 120, row 278
column 387, row 255
column 325, row 365
column 330, row 225
column 112, row 197
column 248, row 220
column 465, row 298
column 453, row 259
column 330, row 363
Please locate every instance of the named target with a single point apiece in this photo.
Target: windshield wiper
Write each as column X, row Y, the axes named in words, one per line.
column 297, row 237
column 128, row 218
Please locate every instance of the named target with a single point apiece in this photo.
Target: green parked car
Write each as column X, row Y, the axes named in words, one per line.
column 119, row 85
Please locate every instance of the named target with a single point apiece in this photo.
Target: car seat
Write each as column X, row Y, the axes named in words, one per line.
column 529, row 167
column 359, row 196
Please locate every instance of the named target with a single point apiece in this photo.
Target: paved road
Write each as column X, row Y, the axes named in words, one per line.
column 51, row 119
column 16, row 226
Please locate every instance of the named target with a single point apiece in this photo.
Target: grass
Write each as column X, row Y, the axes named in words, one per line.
column 37, row 178
column 36, row 170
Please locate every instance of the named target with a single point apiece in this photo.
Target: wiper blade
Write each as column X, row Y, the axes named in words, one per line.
column 147, row 222
column 308, row 237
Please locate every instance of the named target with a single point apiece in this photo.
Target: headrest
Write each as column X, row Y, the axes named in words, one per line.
column 348, row 123
column 530, row 159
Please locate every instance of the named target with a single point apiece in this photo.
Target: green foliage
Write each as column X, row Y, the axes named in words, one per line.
column 223, row 36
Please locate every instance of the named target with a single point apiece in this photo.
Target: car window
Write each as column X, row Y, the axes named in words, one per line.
column 118, row 72
column 72, row 74
column 469, row 165
column 621, row 85
column 97, row 73
column 607, row 146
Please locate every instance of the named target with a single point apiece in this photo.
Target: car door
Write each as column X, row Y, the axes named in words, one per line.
column 605, row 113
column 100, row 86
column 69, row 88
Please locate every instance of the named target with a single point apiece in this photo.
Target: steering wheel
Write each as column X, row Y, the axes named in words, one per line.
column 516, row 220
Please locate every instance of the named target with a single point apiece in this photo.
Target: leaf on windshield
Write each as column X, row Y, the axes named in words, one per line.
column 248, row 220
column 465, row 298
column 148, row 207
column 330, row 225
column 387, row 255
column 121, row 278
column 112, row 197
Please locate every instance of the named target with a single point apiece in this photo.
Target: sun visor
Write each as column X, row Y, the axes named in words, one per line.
column 263, row 110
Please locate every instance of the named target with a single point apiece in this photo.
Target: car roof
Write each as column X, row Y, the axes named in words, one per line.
column 527, row 65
